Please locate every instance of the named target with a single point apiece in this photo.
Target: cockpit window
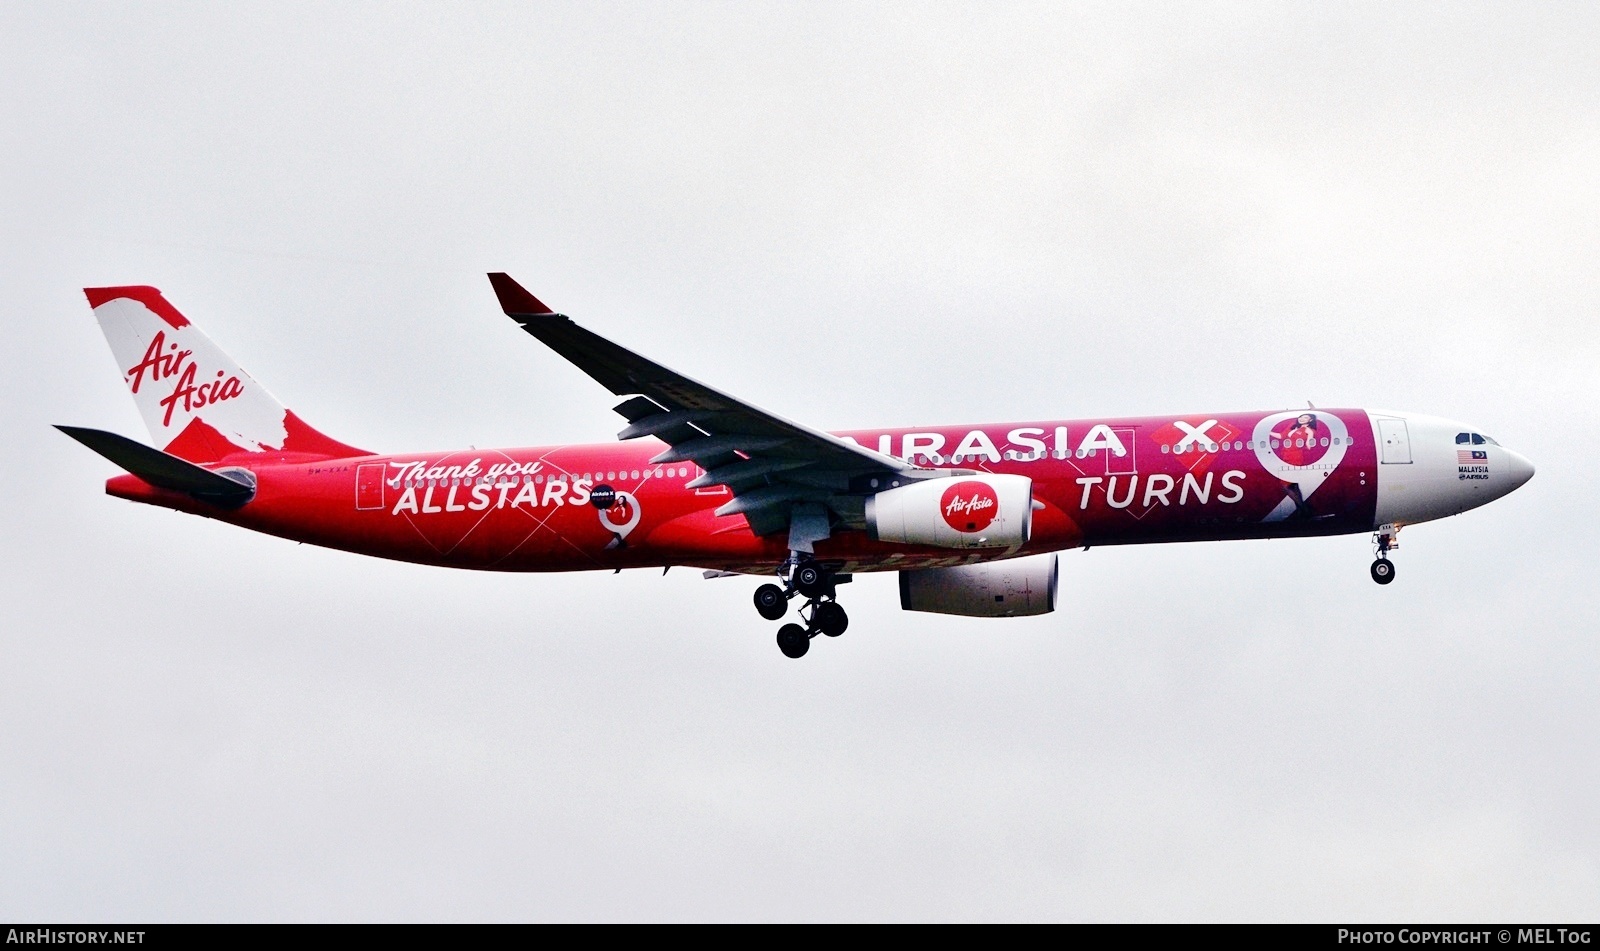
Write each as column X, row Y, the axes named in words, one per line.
column 1477, row 440
column 1462, row 438
column 1490, row 440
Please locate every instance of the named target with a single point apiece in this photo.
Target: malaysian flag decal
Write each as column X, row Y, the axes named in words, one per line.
column 1470, row 456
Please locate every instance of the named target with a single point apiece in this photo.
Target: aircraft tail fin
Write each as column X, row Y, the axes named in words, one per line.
column 199, row 405
column 166, row 471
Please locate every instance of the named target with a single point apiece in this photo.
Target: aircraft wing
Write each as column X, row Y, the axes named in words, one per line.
column 772, row 465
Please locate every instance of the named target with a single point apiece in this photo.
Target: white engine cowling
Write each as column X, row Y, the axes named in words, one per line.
column 984, row 511
column 1014, row 587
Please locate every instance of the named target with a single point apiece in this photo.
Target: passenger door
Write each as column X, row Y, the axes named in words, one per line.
column 1396, row 441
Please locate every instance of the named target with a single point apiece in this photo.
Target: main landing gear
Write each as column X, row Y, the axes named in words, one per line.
column 1384, row 542
column 821, row 612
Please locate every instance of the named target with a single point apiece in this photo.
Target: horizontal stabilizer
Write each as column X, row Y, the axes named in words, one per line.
column 164, row 470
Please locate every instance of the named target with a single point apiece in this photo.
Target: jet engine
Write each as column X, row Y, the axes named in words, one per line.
column 1014, row 587
column 985, row 511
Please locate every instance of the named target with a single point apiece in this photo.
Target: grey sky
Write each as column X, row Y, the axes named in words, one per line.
column 898, row 215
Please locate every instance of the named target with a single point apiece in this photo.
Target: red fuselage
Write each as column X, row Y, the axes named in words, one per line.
column 1190, row 478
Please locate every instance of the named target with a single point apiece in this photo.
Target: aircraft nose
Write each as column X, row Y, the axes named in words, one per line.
column 1518, row 468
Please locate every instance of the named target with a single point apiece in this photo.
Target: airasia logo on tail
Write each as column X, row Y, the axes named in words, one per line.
column 969, row 506
column 160, row 365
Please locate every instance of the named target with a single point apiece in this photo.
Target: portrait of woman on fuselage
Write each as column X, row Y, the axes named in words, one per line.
column 1299, row 444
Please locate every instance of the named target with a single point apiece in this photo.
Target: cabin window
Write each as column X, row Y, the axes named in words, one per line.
column 1165, row 449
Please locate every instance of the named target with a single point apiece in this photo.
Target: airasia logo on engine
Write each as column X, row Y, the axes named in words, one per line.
column 969, row 506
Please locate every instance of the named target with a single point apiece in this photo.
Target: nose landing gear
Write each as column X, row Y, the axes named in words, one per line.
column 1384, row 542
column 821, row 612
column 1382, row 570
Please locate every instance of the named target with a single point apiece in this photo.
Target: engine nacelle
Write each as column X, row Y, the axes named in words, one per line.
column 983, row 511
column 1014, row 587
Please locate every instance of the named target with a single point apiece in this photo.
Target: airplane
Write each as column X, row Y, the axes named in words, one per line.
column 970, row 517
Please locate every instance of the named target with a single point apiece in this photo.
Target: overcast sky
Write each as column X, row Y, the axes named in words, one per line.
column 854, row 215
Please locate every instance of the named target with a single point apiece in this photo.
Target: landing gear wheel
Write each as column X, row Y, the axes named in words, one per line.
column 771, row 602
column 1383, row 571
column 829, row 618
column 793, row 641
column 810, row 580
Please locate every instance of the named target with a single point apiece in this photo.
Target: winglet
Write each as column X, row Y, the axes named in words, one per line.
column 514, row 298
